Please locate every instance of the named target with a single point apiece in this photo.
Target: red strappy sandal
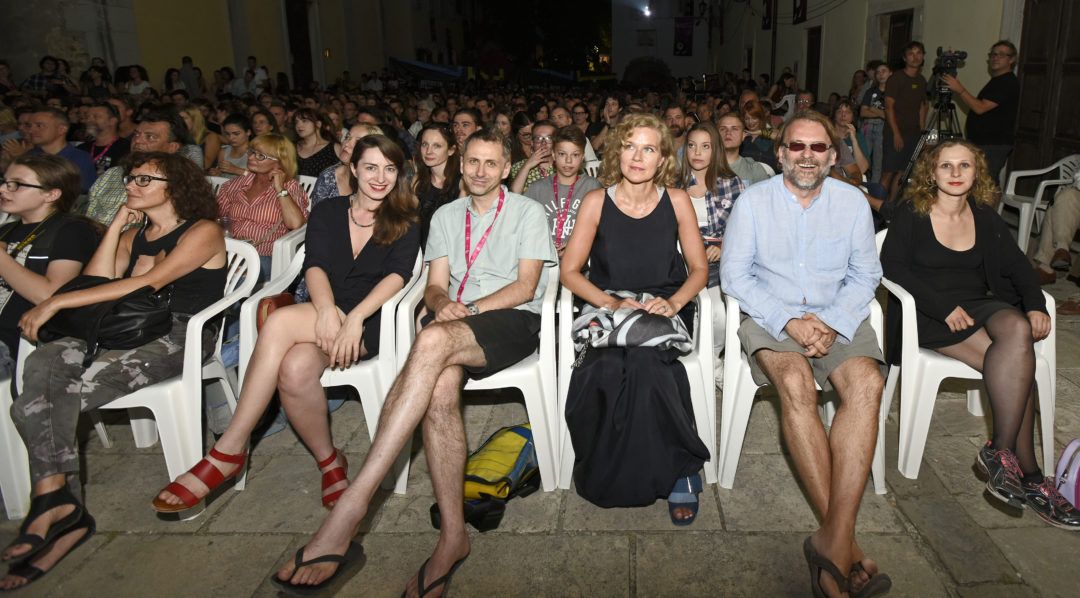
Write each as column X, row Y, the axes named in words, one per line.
column 335, row 475
column 206, row 473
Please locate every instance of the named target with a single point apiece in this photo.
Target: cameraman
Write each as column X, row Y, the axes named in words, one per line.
column 992, row 119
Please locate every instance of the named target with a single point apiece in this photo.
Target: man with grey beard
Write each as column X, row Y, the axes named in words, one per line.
column 800, row 257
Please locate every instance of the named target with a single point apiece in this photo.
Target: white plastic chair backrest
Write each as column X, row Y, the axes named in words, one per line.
column 216, row 182
column 242, row 275
column 768, row 169
column 1069, row 166
column 879, row 239
column 307, row 183
column 592, row 168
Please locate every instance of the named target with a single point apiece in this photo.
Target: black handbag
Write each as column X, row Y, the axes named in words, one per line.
column 131, row 321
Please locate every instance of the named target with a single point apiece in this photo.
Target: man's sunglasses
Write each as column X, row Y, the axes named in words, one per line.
column 798, row 146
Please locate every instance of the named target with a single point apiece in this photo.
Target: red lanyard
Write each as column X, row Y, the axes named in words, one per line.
column 470, row 258
column 565, row 211
column 98, row 157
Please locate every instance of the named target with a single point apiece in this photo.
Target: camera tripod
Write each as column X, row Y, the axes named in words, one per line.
column 941, row 125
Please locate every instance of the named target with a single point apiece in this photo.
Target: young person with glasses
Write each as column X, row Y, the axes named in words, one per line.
column 170, row 211
column 539, row 163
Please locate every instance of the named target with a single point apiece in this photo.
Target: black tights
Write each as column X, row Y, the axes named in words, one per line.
column 1004, row 352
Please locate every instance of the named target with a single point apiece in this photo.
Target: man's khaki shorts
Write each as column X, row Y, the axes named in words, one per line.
column 755, row 338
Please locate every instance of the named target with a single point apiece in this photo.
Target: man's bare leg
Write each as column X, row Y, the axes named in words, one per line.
column 437, row 346
column 445, row 448
column 815, row 461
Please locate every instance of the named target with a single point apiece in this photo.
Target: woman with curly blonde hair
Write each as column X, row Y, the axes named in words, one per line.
column 979, row 303
column 628, row 408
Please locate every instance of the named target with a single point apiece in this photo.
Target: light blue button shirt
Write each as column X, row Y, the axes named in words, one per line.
column 782, row 261
column 519, row 233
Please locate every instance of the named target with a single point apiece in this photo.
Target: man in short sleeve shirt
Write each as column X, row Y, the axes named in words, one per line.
column 484, row 316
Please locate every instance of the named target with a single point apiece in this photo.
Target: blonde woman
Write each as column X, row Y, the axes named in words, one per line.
column 208, row 140
column 629, row 235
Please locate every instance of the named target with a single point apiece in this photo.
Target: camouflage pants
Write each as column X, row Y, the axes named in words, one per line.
column 56, row 389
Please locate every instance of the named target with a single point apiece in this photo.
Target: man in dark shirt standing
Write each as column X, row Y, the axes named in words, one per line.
column 905, row 115
column 992, row 120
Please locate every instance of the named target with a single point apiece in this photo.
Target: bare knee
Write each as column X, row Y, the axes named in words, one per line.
column 792, row 376
column 296, row 373
column 859, row 383
column 433, row 342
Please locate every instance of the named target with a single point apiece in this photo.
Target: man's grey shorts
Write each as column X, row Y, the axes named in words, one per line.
column 755, row 338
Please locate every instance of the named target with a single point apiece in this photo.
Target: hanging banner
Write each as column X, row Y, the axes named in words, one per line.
column 798, row 11
column 684, row 37
column 766, row 16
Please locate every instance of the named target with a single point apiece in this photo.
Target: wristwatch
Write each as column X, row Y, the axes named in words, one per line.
column 283, row 193
column 473, row 310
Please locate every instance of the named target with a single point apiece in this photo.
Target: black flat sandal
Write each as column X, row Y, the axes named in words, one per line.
column 818, row 564
column 442, row 581
column 31, row 573
column 40, row 505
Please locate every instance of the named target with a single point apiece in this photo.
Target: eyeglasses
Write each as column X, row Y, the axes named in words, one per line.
column 798, row 146
column 577, row 112
column 14, row 186
column 142, row 180
column 802, row 101
column 999, row 55
column 259, row 156
column 541, row 138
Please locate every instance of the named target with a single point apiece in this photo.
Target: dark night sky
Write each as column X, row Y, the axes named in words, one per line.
column 566, row 29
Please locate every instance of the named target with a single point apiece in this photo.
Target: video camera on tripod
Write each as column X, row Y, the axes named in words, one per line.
column 947, row 63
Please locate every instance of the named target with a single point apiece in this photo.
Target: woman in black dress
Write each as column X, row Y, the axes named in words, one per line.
column 360, row 251
column 979, row 303
column 628, row 409
column 438, row 172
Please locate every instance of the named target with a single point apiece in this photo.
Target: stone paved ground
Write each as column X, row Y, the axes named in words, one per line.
column 936, row 536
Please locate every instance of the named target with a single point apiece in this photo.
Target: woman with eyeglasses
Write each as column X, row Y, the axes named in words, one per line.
column 268, row 201
column 232, row 159
column 360, row 251
column 521, row 136
column 164, row 236
column 43, row 247
column 316, row 146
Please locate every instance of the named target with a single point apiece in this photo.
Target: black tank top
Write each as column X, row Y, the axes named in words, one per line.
column 192, row 292
column 637, row 254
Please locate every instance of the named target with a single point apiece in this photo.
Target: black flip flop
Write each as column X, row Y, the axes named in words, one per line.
column 878, row 585
column 818, row 564
column 348, row 564
column 41, row 504
column 442, row 581
column 31, row 573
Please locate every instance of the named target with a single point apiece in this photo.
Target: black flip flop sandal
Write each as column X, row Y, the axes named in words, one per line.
column 38, row 506
column 442, row 581
column 348, row 564
column 818, row 564
column 878, row 585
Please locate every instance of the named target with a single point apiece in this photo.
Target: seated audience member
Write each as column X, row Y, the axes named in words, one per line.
column 107, row 147
column 609, row 116
column 979, row 303
column 174, row 242
column 44, row 246
column 562, row 191
column 233, row 158
column 501, row 122
column 334, row 181
column 126, row 109
column 263, row 122
column 316, row 145
column 800, row 257
column 48, row 133
column 560, row 117
column 852, row 164
column 521, row 136
column 158, row 131
column 466, row 122
column 268, row 201
column 483, row 323
column 757, row 144
column 336, row 329
column 731, row 129
column 438, row 172
column 207, row 140
column 628, row 408
column 1058, row 229
column 713, row 188
column 539, row 163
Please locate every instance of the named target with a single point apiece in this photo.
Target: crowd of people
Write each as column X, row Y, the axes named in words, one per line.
column 755, row 191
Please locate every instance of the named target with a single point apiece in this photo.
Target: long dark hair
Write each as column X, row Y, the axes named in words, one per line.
column 188, row 189
column 520, row 121
column 398, row 209
column 452, row 170
column 718, row 167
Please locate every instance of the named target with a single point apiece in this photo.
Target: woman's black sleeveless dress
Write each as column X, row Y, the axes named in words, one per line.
column 628, row 409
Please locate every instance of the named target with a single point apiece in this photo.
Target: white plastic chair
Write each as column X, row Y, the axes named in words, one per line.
column 922, row 371
column 699, row 365
column 768, row 169
column 534, row 376
column 740, row 389
column 175, row 404
column 1030, row 205
column 307, row 183
column 592, row 168
column 14, row 473
column 287, row 246
column 371, row 378
column 216, row 182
